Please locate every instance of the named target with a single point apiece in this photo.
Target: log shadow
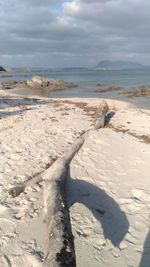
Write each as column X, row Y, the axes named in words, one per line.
column 104, row 208
column 145, row 260
column 11, row 113
column 109, row 116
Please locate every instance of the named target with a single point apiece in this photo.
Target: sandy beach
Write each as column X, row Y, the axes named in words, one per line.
column 108, row 182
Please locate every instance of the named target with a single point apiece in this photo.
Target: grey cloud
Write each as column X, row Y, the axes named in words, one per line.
column 83, row 33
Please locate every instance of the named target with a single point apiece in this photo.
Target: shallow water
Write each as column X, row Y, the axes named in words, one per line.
column 88, row 81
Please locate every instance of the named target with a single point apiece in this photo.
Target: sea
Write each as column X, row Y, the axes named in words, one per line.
column 87, row 81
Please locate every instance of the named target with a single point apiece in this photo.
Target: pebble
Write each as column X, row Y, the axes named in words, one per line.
column 20, row 214
column 115, row 254
column 122, row 246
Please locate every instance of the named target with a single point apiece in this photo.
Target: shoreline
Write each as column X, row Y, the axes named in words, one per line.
column 129, row 86
column 139, row 102
column 108, row 182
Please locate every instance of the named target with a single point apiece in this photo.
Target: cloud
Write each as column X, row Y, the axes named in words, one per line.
column 71, row 33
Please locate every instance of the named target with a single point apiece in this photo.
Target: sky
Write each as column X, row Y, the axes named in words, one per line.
column 58, row 33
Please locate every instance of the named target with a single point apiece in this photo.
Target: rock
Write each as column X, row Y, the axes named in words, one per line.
column 38, row 82
column 141, row 91
column 112, row 88
column 8, row 85
column 51, row 84
column 37, row 79
column 20, row 214
column 122, row 246
column 2, row 69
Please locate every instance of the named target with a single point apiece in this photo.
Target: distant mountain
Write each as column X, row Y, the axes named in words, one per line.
column 107, row 64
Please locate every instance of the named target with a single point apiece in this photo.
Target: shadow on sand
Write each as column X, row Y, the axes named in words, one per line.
column 104, row 208
column 23, row 103
column 109, row 116
column 145, row 260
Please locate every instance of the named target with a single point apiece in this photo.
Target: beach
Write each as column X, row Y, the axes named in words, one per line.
column 75, row 133
column 89, row 83
column 107, row 181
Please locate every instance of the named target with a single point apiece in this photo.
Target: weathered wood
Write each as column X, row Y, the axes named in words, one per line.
column 59, row 244
column 101, row 113
column 17, row 190
column 99, row 123
column 35, row 179
column 20, row 188
column 59, row 250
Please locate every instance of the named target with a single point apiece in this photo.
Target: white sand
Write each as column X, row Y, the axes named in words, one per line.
column 108, row 190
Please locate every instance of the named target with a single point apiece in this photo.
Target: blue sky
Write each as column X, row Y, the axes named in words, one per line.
column 57, row 33
column 57, row 8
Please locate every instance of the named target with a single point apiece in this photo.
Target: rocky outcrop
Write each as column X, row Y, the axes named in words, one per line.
column 38, row 82
column 11, row 85
column 2, row 69
column 141, row 91
column 111, row 88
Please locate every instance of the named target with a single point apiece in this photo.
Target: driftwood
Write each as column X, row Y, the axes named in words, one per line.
column 59, row 249
column 20, row 188
column 100, row 116
column 59, row 243
column 37, row 178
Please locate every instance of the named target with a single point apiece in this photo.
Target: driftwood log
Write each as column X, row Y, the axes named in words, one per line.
column 59, row 250
column 59, row 244
column 59, row 240
column 20, row 188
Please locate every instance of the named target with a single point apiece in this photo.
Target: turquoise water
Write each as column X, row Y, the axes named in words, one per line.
column 87, row 81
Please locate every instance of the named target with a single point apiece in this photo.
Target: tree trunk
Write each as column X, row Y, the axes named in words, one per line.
column 59, row 240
